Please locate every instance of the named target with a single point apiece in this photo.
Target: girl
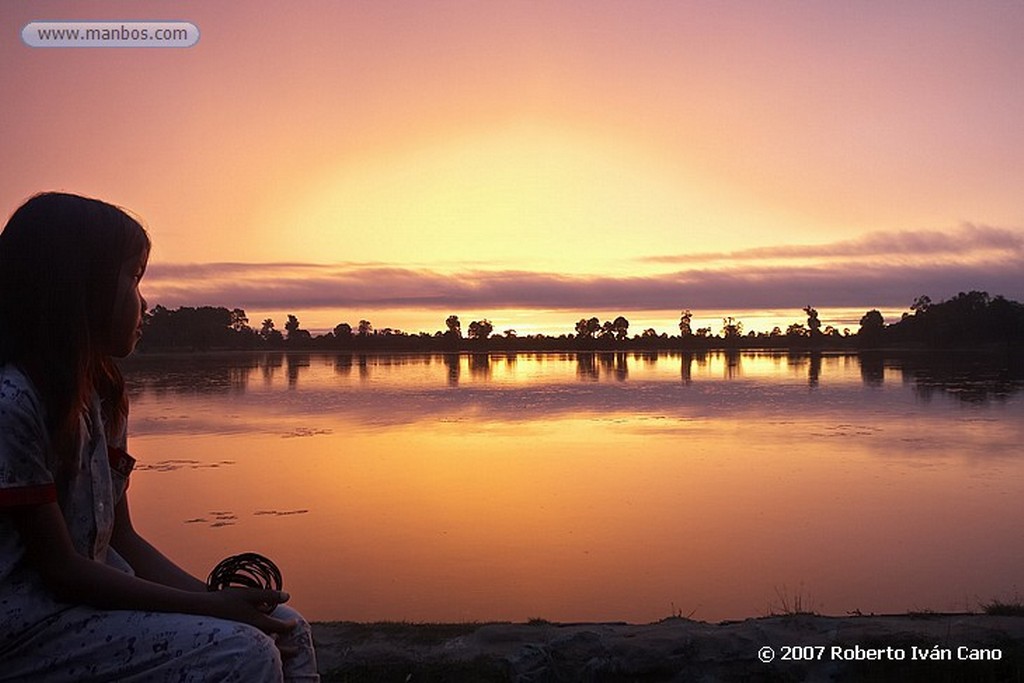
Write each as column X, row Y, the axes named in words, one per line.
column 84, row 597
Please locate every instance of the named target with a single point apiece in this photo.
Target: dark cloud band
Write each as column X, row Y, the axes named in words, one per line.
column 876, row 271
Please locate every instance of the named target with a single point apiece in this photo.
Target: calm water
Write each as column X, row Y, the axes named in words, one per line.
column 591, row 486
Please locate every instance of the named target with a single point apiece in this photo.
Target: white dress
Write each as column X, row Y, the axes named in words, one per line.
column 43, row 639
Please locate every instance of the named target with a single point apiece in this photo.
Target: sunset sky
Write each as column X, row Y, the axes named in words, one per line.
column 538, row 162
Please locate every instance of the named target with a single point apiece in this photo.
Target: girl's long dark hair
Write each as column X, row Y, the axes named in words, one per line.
column 60, row 258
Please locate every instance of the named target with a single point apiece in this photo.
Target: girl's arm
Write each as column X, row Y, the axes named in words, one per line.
column 147, row 561
column 77, row 579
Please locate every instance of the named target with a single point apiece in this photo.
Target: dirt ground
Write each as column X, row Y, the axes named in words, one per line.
column 925, row 647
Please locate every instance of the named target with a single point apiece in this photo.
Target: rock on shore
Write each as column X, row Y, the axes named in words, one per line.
column 949, row 647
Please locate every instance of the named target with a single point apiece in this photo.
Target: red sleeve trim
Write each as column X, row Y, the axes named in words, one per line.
column 28, row 495
column 120, row 461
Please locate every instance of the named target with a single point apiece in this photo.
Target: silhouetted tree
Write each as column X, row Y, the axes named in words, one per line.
column 586, row 329
column 968, row 318
column 872, row 324
column 239, row 321
column 731, row 328
column 480, row 329
column 921, row 304
column 343, row 331
column 268, row 334
column 454, row 327
column 813, row 324
column 620, row 328
column 872, row 321
column 685, row 318
column 295, row 333
column 193, row 328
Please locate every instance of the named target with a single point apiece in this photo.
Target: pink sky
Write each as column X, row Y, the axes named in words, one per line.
column 540, row 161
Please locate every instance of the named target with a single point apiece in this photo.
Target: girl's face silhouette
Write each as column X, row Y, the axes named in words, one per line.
column 126, row 321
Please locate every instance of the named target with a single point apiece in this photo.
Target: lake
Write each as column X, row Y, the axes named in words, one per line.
column 588, row 487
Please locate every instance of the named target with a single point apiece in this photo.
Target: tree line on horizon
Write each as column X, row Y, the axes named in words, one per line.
column 967, row 319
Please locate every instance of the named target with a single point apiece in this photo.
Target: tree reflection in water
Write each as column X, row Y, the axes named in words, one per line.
column 713, row 476
column 968, row 377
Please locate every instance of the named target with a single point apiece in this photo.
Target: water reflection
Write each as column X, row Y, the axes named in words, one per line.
column 971, row 378
column 685, row 373
column 872, row 368
column 295, row 363
column 586, row 486
column 270, row 363
column 343, row 364
column 590, row 367
column 480, row 366
column 398, row 390
column 454, row 366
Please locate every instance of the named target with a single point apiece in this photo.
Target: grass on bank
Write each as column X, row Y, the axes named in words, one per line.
column 791, row 603
column 1009, row 608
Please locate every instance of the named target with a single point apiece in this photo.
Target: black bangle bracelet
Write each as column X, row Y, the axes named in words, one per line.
column 247, row 570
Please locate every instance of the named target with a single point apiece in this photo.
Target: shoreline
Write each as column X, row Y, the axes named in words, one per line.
column 801, row 647
column 672, row 351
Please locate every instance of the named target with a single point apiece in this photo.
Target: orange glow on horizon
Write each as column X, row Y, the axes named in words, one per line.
column 716, row 126
column 555, row 323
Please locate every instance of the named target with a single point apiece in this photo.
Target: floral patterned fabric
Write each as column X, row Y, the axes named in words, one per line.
column 42, row 638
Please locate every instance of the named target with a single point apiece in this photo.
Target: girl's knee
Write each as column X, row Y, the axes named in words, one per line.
column 286, row 613
column 300, row 665
column 254, row 655
column 302, row 633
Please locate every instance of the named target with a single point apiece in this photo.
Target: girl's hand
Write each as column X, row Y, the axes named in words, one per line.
column 77, row 579
column 251, row 606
